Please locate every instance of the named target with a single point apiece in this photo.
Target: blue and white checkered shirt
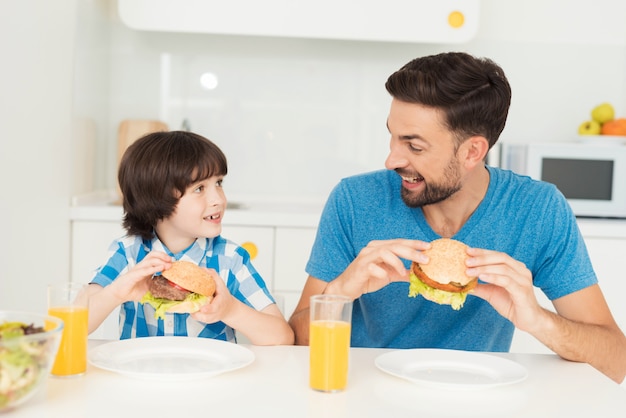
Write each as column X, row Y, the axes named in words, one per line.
column 231, row 261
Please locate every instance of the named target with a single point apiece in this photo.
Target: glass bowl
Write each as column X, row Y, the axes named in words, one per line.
column 26, row 358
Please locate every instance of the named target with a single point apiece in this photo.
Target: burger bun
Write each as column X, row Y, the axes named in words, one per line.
column 446, row 267
column 192, row 277
column 443, row 279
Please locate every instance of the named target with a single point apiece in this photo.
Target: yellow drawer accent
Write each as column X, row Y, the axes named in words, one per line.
column 252, row 249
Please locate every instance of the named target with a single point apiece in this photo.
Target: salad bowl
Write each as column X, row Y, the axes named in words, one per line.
column 28, row 345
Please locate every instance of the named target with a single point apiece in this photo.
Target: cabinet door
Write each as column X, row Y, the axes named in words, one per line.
column 259, row 241
column 523, row 342
column 607, row 256
column 293, row 247
column 90, row 245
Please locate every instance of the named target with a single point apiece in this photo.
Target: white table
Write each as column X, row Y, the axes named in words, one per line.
column 276, row 385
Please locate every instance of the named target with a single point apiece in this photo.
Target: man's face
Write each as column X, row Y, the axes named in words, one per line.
column 423, row 153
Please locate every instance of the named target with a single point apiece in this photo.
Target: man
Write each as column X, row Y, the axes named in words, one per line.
column 447, row 111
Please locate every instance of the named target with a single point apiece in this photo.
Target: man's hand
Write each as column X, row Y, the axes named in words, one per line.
column 508, row 286
column 377, row 265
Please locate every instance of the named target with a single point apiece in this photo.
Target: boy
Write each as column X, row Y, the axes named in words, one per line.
column 173, row 209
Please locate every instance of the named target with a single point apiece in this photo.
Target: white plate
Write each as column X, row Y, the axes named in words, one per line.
column 451, row 369
column 170, row 358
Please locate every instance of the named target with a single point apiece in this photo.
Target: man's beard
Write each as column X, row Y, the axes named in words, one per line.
column 435, row 192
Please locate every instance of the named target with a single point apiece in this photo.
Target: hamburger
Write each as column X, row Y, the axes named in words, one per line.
column 443, row 280
column 183, row 288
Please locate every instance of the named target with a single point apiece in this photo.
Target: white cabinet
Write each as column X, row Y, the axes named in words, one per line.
column 293, row 247
column 259, row 241
column 607, row 256
column 442, row 21
column 90, row 244
column 606, row 244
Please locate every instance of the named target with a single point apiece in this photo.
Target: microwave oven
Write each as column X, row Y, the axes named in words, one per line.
column 591, row 176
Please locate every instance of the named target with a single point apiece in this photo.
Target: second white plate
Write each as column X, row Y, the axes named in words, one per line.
column 170, row 358
column 451, row 369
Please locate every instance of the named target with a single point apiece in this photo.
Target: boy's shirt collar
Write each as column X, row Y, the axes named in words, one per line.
column 195, row 253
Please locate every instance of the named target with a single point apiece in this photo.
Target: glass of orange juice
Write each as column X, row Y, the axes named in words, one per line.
column 329, row 342
column 69, row 302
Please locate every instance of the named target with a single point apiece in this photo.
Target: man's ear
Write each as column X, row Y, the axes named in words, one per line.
column 475, row 152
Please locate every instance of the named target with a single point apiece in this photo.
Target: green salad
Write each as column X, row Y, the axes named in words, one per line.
column 21, row 360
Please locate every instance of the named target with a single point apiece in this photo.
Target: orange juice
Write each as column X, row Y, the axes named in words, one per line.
column 329, row 345
column 71, row 358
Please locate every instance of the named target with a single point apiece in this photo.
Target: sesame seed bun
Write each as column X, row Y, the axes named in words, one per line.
column 190, row 276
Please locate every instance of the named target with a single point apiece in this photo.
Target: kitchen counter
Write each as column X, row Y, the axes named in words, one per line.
column 103, row 206
column 276, row 384
column 305, row 213
column 602, row 228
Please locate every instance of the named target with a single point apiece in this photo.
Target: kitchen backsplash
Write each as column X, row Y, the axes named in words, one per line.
column 294, row 116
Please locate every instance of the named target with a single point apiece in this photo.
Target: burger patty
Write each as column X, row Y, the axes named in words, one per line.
column 161, row 288
column 452, row 287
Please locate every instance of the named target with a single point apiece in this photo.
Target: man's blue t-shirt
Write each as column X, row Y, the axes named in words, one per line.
column 527, row 219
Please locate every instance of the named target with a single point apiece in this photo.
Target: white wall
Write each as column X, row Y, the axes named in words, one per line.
column 295, row 115
column 36, row 40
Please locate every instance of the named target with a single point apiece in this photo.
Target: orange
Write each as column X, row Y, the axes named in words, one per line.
column 614, row 127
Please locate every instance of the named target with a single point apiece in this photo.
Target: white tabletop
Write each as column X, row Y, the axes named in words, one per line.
column 276, row 385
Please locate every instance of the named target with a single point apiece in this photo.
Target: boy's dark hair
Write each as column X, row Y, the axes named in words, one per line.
column 473, row 93
column 156, row 170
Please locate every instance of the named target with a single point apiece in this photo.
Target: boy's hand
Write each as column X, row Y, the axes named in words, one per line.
column 219, row 307
column 132, row 285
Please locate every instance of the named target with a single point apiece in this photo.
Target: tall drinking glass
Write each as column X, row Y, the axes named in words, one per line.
column 69, row 302
column 329, row 342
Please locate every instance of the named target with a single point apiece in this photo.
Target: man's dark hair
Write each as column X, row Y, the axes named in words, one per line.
column 155, row 172
column 473, row 93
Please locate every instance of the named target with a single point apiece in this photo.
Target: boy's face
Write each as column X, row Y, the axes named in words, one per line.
column 199, row 213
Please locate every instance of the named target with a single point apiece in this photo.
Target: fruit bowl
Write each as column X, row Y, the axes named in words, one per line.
column 28, row 345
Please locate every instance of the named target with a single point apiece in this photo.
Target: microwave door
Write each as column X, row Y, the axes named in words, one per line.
column 590, row 185
column 580, row 179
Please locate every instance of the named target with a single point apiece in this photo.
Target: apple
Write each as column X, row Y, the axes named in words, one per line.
column 603, row 113
column 590, row 127
column 614, row 127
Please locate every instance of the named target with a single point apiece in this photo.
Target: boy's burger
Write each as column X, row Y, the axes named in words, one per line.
column 183, row 288
column 443, row 279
